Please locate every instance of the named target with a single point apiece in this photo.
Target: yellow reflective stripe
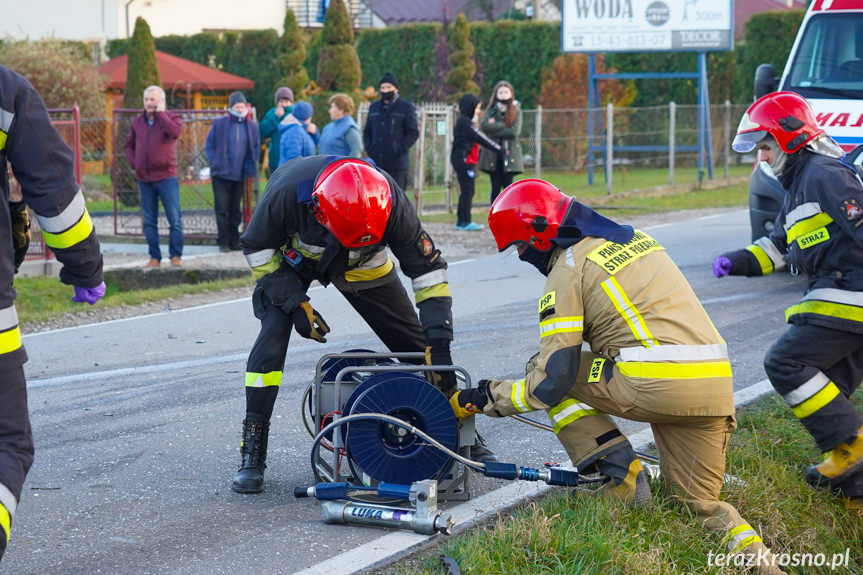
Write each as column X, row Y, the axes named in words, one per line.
column 2, row 140
column 656, row 370
column 74, row 235
column 764, row 260
column 273, row 378
column 817, row 401
column 5, row 522
column 10, row 340
column 808, row 389
column 806, row 227
column 826, row 308
column 627, row 310
column 360, row 275
column 568, row 412
column 519, row 392
column 270, row 266
column 741, row 537
column 561, row 325
column 439, row 290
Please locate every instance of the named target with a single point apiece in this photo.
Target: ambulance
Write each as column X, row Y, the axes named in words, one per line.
column 825, row 66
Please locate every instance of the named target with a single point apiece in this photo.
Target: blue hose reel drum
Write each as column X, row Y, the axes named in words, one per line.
column 387, row 452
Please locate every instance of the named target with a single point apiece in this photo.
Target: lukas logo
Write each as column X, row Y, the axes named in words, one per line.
column 367, row 512
column 608, row 9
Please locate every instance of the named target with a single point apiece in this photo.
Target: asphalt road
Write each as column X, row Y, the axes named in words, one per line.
column 137, row 422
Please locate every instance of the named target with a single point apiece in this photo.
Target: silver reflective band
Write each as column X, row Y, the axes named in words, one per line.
column 65, row 219
column 6, row 118
column 301, row 245
column 570, row 259
column 8, row 318
column 259, row 258
column 807, row 390
column 741, row 538
column 8, row 500
column 715, row 351
column 430, row 279
column 800, row 213
column 834, row 295
column 379, row 259
column 772, row 253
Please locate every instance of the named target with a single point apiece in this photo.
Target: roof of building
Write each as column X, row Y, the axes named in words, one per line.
column 401, row 12
column 177, row 74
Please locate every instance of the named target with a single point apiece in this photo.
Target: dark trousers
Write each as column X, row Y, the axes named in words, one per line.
column 386, row 309
column 499, row 180
column 16, row 442
column 227, row 196
column 401, row 178
column 466, row 186
column 795, row 365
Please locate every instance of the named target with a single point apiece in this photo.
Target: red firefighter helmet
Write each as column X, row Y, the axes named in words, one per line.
column 786, row 116
column 528, row 211
column 352, row 200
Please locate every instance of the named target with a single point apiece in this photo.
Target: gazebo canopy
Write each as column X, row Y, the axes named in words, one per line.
column 177, row 74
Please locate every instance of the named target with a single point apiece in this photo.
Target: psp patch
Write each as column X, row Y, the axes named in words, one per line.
column 425, row 245
column 852, row 210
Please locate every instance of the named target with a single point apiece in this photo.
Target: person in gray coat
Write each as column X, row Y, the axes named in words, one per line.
column 502, row 122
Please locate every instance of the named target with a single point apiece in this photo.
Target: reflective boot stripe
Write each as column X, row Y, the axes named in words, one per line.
column 568, row 412
column 273, row 378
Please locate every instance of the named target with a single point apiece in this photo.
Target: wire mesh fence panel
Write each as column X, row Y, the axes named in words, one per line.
column 196, row 192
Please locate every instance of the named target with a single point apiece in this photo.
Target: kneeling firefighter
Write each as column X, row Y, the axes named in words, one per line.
column 655, row 357
column 818, row 363
column 332, row 219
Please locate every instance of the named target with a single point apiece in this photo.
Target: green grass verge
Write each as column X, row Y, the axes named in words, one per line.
column 564, row 534
column 44, row 298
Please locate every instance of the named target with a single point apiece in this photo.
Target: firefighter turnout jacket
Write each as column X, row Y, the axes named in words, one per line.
column 819, row 231
column 643, row 322
column 287, row 248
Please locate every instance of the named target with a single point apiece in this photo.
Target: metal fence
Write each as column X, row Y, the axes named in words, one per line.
column 552, row 140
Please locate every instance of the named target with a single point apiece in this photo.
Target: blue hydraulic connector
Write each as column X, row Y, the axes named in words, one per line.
column 551, row 475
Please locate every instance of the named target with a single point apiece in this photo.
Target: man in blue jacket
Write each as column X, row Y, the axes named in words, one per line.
column 390, row 131
column 232, row 149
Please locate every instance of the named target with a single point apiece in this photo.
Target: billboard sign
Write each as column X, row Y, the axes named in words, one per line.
column 647, row 25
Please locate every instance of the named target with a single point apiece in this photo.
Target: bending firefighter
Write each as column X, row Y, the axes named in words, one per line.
column 44, row 168
column 656, row 357
column 817, row 364
column 332, row 219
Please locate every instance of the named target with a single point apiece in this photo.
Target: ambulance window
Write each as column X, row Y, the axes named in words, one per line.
column 829, row 58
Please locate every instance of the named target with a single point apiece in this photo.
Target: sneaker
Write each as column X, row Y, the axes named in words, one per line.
column 469, row 227
column 175, row 261
column 153, row 264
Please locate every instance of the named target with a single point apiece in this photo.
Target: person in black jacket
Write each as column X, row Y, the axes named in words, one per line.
column 818, row 363
column 44, row 168
column 465, row 140
column 390, row 131
column 332, row 220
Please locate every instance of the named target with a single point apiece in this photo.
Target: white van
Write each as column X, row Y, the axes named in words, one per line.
column 825, row 66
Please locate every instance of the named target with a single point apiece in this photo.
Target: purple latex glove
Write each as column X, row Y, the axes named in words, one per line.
column 89, row 295
column 721, row 266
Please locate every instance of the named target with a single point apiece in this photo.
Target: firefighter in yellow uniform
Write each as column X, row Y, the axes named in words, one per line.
column 654, row 356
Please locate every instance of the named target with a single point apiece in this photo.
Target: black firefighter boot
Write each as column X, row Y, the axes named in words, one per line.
column 250, row 477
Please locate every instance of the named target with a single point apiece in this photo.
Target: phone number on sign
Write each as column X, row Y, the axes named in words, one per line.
column 615, row 41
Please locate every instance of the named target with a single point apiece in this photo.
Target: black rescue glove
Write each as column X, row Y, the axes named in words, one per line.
column 309, row 323
column 20, row 231
column 438, row 354
column 467, row 402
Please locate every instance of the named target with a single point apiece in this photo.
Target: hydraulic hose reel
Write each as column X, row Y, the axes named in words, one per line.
column 367, row 451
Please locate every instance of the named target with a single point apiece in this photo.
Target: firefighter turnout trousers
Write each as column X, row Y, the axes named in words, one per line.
column 16, row 438
column 387, row 309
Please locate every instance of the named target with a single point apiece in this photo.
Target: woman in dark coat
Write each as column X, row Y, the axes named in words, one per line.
column 466, row 140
